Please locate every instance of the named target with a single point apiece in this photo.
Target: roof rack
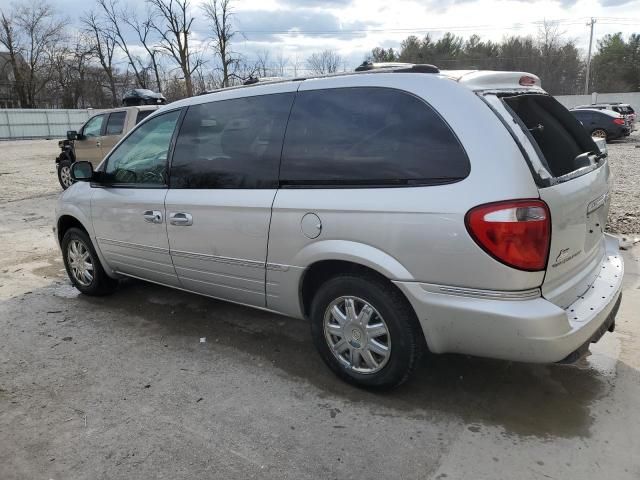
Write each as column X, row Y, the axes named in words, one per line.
column 253, row 80
column 398, row 67
column 365, row 68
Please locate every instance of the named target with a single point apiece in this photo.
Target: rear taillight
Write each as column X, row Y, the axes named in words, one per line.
column 619, row 121
column 516, row 232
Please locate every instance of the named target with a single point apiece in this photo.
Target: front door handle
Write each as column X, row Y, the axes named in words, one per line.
column 98, row 144
column 180, row 219
column 152, row 216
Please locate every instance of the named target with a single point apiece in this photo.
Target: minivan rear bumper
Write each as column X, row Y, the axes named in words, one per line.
column 514, row 325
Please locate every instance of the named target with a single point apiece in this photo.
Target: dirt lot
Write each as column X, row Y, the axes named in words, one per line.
column 122, row 387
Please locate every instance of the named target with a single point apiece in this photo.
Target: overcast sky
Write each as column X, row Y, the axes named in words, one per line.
column 353, row 27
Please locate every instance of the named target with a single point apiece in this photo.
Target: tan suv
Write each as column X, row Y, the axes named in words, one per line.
column 97, row 137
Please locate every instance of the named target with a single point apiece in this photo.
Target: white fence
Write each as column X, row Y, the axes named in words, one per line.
column 40, row 123
column 570, row 101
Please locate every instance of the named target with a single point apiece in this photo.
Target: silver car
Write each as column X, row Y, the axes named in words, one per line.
column 401, row 210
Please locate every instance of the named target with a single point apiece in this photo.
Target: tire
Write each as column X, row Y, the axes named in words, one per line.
column 387, row 307
column 600, row 133
column 93, row 281
column 64, row 173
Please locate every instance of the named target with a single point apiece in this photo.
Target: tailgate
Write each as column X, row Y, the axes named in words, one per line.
column 579, row 209
column 573, row 179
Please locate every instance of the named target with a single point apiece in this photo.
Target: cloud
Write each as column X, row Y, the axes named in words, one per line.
column 263, row 25
column 317, row 3
column 615, row 3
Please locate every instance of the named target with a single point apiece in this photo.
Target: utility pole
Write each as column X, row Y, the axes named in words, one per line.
column 591, row 23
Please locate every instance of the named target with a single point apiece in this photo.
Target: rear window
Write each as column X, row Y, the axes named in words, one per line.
column 368, row 136
column 559, row 136
column 142, row 114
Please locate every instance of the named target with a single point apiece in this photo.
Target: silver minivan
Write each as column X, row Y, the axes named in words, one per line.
column 401, row 210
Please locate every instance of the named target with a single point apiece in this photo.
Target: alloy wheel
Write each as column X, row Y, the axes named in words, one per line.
column 357, row 335
column 65, row 176
column 80, row 262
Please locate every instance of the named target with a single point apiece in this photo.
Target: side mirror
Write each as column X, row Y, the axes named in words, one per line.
column 72, row 135
column 82, row 171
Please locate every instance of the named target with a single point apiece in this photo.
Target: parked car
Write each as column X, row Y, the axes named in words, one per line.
column 96, row 137
column 143, row 96
column 623, row 109
column 371, row 204
column 603, row 123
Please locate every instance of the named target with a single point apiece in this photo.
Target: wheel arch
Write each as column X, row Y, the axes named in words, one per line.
column 65, row 222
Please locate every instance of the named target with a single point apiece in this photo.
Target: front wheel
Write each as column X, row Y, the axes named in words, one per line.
column 366, row 331
column 83, row 265
column 64, row 173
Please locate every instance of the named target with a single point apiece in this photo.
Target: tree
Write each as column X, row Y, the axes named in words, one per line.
column 31, row 33
column 220, row 14
column 113, row 19
column 327, row 61
column 555, row 59
column 616, row 65
column 10, row 39
column 143, row 29
column 173, row 22
column 71, row 64
column 381, row 55
column 103, row 44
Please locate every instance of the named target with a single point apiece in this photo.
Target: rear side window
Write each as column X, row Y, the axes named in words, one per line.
column 115, row 124
column 559, row 136
column 368, row 136
column 582, row 116
column 231, row 143
column 142, row 114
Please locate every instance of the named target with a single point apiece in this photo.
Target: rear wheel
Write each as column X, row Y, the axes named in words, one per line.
column 599, row 133
column 64, row 173
column 365, row 331
column 83, row 266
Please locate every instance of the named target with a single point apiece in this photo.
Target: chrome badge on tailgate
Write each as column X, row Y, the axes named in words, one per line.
column 597, row 203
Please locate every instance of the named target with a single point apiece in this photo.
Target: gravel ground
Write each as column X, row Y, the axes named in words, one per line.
column 27, row 169
column 624, row 213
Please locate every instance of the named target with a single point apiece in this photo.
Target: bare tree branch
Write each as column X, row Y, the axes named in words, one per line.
column 220, row 14
column 173, row 23
column 327, row 61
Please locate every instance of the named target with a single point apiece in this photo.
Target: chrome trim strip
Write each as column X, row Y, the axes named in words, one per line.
column 197, row 256
column 483, row 294
column 136, row 246
column 277, row 267
column 216, row 258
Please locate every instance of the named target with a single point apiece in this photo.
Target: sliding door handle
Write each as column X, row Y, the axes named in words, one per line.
column 180, row 219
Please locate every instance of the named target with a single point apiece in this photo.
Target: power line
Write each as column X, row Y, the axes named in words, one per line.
column 514, row 26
